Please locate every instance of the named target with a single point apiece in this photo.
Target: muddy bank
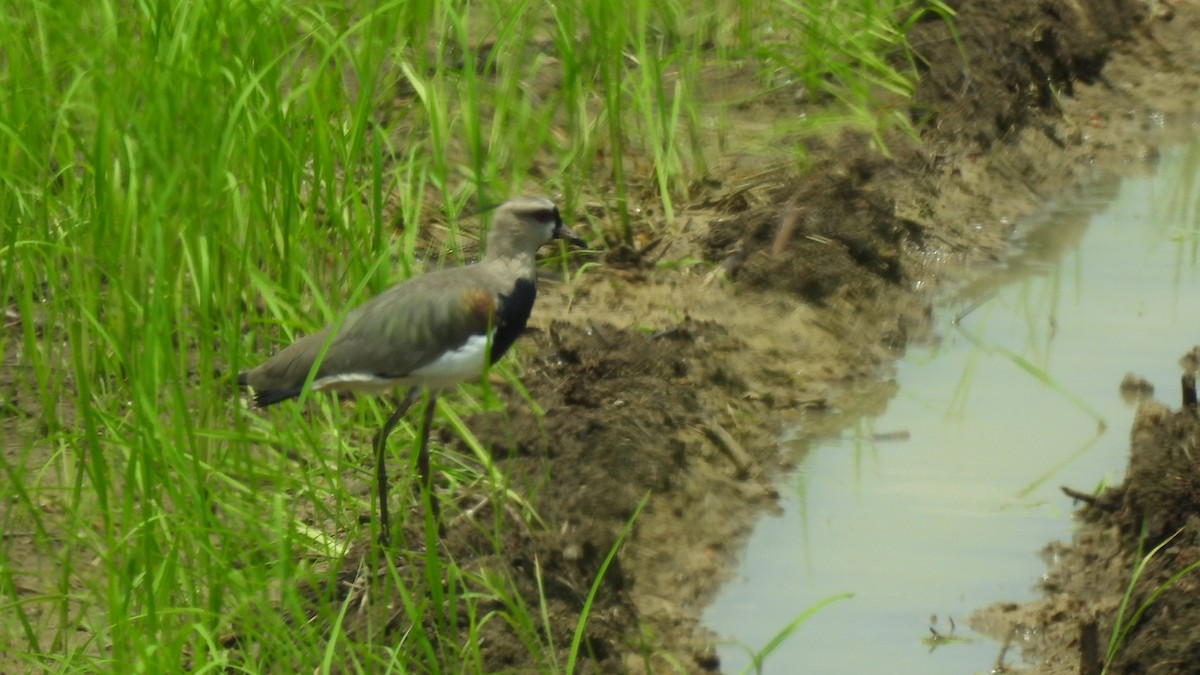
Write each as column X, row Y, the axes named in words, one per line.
column 673, row 382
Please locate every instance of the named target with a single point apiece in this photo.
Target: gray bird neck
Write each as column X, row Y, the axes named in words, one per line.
column 514, row 244
column 500, row 252
column 511, row 266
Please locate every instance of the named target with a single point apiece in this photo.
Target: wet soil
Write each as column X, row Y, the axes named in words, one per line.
column 665, row 385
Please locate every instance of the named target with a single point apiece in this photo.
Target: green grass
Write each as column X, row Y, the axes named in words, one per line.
column 758, row 658
column 1127, row 615
column 187, row 186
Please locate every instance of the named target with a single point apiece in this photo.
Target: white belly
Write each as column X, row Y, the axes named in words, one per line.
column 452, row 367
column 464, row 363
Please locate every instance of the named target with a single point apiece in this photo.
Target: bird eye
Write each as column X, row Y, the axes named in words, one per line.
column 549, row 215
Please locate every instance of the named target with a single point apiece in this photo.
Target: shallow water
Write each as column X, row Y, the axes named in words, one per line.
column 1017, row 400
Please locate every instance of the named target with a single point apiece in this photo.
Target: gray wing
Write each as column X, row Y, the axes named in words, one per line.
column 391, row 335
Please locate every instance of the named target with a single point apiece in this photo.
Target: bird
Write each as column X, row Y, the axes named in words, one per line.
column 426, row 333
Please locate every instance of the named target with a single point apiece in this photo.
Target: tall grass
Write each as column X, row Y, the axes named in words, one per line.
column 849, row 51
column 185, row 187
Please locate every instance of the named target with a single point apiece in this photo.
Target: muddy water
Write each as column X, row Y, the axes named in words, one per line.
column 939, row 506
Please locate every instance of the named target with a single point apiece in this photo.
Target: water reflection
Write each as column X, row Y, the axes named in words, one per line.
column 939, row 504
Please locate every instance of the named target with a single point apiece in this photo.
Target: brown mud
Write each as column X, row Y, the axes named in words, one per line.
column 674, row 383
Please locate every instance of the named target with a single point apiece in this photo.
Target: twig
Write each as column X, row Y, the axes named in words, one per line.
column 1078, row 496
column 971, row 308
column 787, row 226
column 730, row 446
column 1089, row 648
column 1000, row 667
column 599, row 333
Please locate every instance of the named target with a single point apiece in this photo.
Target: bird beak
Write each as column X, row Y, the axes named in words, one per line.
column 561, row 232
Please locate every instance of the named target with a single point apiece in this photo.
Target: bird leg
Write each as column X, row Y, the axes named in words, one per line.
column 381, row 461
column 426, row 478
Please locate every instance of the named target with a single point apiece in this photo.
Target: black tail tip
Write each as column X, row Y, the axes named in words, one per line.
column 268, row 397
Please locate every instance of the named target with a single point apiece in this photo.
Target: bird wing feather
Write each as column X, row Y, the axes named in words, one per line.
column 391, row 335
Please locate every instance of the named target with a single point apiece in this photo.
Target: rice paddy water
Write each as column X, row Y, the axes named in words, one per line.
column 941, row 504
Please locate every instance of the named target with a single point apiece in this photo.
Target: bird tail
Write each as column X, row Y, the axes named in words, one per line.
column 266, row 397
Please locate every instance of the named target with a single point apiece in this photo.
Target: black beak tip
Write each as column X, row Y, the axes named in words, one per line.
column 570, row 237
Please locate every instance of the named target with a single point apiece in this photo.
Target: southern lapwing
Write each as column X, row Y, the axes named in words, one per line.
column 431, row 331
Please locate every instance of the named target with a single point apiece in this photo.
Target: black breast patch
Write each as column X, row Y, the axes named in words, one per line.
column 512, row 313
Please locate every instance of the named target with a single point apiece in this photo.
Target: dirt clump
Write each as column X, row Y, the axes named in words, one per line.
column 1160, row 505
column 609, row 395
column 836, row 231
column 1022, row 59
